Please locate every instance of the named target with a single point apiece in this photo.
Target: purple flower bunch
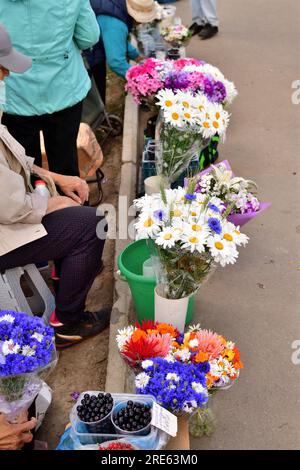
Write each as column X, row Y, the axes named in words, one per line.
column 26, row 344
column 178, row 387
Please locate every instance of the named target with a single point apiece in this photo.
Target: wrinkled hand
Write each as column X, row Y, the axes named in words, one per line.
column 74, row 187
column 60, row 202
column 14, row 436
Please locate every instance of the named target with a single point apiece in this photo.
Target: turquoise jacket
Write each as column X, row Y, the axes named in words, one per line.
column 53, row 33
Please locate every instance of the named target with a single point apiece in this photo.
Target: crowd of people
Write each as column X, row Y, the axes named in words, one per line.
column 47, row 56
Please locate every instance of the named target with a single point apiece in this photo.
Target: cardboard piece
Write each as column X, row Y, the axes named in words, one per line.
column 182, row 440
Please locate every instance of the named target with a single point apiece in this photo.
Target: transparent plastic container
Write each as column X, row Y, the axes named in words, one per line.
column 141, row 432
column 85, row 435
column 101, row 426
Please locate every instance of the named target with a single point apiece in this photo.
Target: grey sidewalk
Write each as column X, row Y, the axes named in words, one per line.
column 256, row 302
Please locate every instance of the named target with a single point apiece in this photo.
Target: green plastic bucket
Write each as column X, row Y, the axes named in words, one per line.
column 130, row 263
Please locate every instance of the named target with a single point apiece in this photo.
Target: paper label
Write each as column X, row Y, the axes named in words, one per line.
column 164, row 420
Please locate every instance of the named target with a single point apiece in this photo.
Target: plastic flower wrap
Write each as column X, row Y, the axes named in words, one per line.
column 177, row 35
column 143, row 341
column 187, row 123
column 180, row 388
column 27, row 354
column 189, row 237
column 238, row 195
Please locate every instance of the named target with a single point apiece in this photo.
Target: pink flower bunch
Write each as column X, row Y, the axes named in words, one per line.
column 196, row 80
column 181, row 63
column 144, row 80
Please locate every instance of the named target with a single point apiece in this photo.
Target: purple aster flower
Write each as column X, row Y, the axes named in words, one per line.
column 215, row 225
column 219, row 92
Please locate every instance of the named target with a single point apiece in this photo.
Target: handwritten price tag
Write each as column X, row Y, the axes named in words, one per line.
column 164, row 420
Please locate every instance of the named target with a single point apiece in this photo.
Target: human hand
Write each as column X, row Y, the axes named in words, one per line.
column 140, row 58
column 57, row 203
column 14, row 436
column 74, row 187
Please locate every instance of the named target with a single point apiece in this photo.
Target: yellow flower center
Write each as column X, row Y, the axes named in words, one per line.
column 207, row 116
column 193, row 240
column 168, row 236
column 228, row 237
column 218, row 115
column 194, row 214
column 201, row 107
column 196, row 228
column 168, row 103
column 185, row 104
column 219, row 245
column 175, row 116
column 216, row 125
column 187, row 115
column 237, row 232
column 148, row 222
column 177, row 213
column 206, row 125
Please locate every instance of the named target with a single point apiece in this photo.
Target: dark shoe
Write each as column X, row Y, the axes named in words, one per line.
column 195, row 28
column 90, row 324
column 208, row 31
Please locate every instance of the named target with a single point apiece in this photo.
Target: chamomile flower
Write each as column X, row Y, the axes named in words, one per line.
column 193, row 343
column 231, row 91
column 147, row 225
column 174, row 116
column 222, row 252
column 37, row 336
column 219, row 119
column 147, row 363
column 232, row 234
column 194, row 241
column 185, row 100
column 166, row 99
column 183, row 355
column 189, row 406
column 141, row 380
column 167, row 238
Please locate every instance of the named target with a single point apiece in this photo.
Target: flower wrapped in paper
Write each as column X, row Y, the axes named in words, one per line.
column 27, row 356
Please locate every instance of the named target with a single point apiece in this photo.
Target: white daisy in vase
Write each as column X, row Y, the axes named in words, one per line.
column 166, row 99
column 147, row 225
column 174, row 116
column 222, row 252
column 232, row 234
column 194, row 241
column 167, row 238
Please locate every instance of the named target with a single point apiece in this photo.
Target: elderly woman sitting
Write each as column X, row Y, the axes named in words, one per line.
column 34, row 228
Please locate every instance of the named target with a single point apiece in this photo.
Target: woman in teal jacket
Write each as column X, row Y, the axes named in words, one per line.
column 49, row 96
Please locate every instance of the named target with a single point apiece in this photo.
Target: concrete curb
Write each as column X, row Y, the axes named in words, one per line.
column 116, row 368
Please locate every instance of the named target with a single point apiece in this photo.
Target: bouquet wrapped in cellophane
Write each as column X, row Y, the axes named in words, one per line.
column 27, row 356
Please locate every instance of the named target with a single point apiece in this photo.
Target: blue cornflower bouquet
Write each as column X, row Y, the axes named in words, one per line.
column 178, row 387
column 27, row 353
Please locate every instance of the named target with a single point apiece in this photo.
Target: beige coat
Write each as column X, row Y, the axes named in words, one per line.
column 21, row 210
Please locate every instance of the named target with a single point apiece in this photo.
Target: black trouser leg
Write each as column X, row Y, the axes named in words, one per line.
column 26, row 130
column 71, row 240
column 60, row 135
column 99, row 74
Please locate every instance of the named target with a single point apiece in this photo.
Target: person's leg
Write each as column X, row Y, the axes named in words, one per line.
column 197, row 14
column 99, row 74
column 209, row 12
column 26, row 130
column 60, row 132
column 73, row 241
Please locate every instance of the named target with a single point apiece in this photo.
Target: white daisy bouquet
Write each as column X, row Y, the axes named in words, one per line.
column 177, row 35
column 187, row 123
column 190, row 235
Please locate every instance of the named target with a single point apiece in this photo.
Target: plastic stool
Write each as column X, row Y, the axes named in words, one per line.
column 12, row 297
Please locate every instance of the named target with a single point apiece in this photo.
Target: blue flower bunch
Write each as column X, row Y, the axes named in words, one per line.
column 178, row 387
column 26, row 344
